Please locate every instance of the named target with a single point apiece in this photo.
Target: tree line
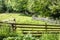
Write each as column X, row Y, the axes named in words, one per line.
column 42, row 7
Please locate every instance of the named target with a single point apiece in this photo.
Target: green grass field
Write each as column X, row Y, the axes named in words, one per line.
column 23, row 19
column 20, row 18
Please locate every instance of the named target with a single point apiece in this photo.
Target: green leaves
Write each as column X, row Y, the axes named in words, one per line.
column 30, row 37
column 30, row 5
column 49, row 37
column 19, row 5
column 1, row 6
column 40, row 7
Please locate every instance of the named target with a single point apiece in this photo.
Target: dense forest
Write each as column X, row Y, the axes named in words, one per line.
column 41, row 7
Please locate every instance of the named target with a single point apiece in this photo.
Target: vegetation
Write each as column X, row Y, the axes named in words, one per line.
column 41, row 7
column 19, row 18
column 22, row 10
column 30, row 37
column 6, row 34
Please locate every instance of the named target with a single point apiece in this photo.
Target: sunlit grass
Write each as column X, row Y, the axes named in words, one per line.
column 20, row 18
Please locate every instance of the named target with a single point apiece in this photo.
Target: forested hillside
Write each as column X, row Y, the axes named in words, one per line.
column 42, row 7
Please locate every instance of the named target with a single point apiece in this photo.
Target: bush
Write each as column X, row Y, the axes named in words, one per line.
column 49, row 37
column 30, row 37
column 25, row 37
column 5, row 31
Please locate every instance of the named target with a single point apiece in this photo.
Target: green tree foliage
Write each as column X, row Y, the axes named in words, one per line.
column 30, row 5
column 39, row 7
column 1, row 5
column 42, row 7
column 54, row 8
column 8, row 4
column 19, row 5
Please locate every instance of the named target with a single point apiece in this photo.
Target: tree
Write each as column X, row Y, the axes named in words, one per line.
column 55, row 9
column 2, row 6
column 8, row 4
column 19, row 5
column 41, row 7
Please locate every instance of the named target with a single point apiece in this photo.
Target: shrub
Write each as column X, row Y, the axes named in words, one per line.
column 49, row 37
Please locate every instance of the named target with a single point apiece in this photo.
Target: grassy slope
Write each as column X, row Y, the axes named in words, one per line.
column 20, row 18
column 27, row 20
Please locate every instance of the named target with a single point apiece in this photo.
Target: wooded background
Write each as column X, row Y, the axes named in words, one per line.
column 41, row 7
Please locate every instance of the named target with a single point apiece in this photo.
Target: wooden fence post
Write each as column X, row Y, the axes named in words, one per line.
column 46, row 27
column 13, row 26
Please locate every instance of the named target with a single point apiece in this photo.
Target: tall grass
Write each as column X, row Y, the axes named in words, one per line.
column 30, row 37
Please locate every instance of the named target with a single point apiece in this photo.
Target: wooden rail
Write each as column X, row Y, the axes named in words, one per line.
column 35, row 28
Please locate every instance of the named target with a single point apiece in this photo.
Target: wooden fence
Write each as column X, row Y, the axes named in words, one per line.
column 35, row 29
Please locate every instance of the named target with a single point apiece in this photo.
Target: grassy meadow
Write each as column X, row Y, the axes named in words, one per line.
column 23, row 19
column 20, row 18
